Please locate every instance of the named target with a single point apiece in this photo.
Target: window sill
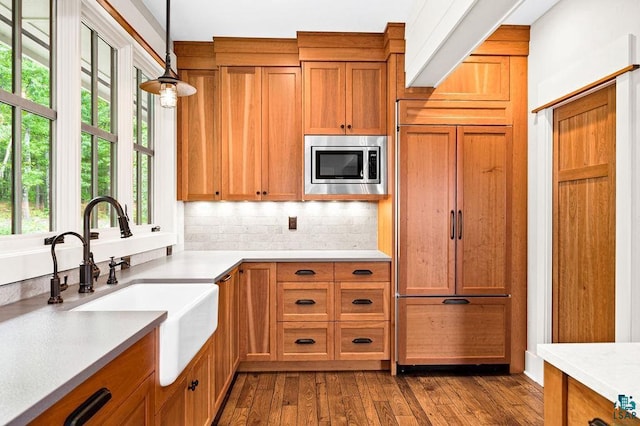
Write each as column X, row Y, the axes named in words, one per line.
column 30, row 263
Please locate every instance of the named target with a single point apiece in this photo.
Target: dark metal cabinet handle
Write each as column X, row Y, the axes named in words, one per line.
column 88, row 408
column 342, row 126
column 305, row 342
column 194, row 384
column 305, row 272
column 305, row 302
column 349, row 126
column 455, row 302
column 362, row 272
column 217, row 192
column 359, row 340
column 225, row 278
column 598, row 422
column 452, row 225
column 264, row 192
column 362, row 302
column 459, row 224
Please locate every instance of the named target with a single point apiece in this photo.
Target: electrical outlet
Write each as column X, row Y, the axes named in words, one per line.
column 293, row 222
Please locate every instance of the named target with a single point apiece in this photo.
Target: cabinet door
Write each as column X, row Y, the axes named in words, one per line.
column 174, row 410
column 434, row 330
column 366, row 98
column 427, row 207
column 257, row 312
column 198, row 389
column 198, row 138
column 241, row 133
column 324, row 98
column 281, row 134
column 225, row 342
column 483, row 216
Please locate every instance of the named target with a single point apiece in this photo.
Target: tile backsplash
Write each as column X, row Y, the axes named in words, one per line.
column 331, row 225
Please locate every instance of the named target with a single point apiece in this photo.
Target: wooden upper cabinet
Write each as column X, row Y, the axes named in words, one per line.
column 478, row 78
column 241, row 133
column 199, row 176
column 261, row 133
column 344, row 98
column 281, row 133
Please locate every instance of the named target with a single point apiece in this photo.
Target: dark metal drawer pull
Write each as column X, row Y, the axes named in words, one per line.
column 362, row 272
column 305, row 302
column 226, row 278
column 88, row 408
column 362, row 340
column 305, row 272
column 194, row 384
column 598, row 422
column 456, row 302
column 305, row 342
column 362, row 302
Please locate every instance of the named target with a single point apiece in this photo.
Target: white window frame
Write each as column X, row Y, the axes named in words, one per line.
column 29, row 250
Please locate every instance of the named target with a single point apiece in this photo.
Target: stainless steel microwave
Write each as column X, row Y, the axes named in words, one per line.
column 345, row 164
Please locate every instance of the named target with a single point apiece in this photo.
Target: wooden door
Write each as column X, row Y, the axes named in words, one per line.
column 584, row 219
column 257, row 312
column 241, row 133
column 483, row 213
column 324, row 98
column 199, row 176
column 199, row 398
column 281, row 134
column 222, row 340
column 427, row 210
column 366, row 98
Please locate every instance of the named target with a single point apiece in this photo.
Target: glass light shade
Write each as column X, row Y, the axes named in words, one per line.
column 168, row 95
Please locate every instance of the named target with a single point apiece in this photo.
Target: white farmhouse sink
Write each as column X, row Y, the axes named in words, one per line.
column 192, row 317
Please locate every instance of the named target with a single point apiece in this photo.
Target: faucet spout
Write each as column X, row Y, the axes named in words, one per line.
column 55, row 279
column 86, row 267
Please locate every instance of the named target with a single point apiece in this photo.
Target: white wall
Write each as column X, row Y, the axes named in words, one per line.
column 576, row 43
column 264, row 225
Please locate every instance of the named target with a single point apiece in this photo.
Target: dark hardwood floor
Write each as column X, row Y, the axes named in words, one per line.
column 377, row 398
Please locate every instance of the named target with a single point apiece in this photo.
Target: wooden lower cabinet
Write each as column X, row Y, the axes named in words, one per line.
column 225, row 339
column 257, row 322
column 454, row 330
column 129, row 378
column 568, row 402
column 359, row 340
column 188, row 400
column 305, row 341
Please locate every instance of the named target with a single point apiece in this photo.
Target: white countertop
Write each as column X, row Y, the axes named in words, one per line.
column 48, row 350
column 609, row 369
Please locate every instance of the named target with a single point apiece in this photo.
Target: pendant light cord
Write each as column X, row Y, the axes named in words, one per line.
column 168, row 56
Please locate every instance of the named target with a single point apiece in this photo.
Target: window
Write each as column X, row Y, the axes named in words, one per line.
column 98, row 151
column 26, row 116
column 142, row 151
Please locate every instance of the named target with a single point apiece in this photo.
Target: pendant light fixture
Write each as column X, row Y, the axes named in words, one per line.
column 168, row 86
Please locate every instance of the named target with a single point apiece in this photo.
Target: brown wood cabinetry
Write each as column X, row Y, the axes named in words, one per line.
column 333, row 311
column 344, row 98
column 188, row 400
column 257, row 323
column 225, row 341
column 129, row 378
column 261, row 137
column 435, row 330
column 199, row 174
column 462, row 211
column 456, row 185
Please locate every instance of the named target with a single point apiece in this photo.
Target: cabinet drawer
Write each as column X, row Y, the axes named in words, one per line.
column 307, row 341
column 455, row 330
column 311, row 301
column 307, row 271
column 362, row 340
column 121, row 377
column 362, row 271
column 362, row 301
